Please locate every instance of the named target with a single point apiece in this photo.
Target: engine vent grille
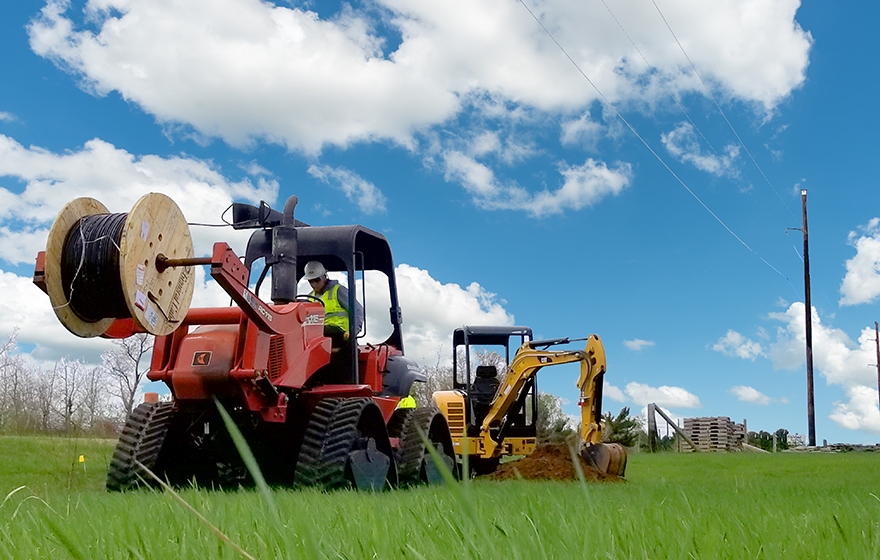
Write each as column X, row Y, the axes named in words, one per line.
column 456, row 419
column 276, row 356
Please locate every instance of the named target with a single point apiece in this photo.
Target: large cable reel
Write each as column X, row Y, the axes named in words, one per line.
column 101, row 267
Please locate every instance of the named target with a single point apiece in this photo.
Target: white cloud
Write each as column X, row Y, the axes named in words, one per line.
column 861, row 284
column 245, row 70
column 582, row 186
column 860, row 412
column 582, row 130
column 837, row 358
column 750, row 395
column 118, row 179
column 664, row 396
column 357, row 189
column 23, row 305
column 683, row 144
column 7, row 117
column 432, row 310
column 735, row 344
column 614, row 393
column 637, row 344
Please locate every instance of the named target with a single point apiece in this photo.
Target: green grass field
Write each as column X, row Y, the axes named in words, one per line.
column 672, row 506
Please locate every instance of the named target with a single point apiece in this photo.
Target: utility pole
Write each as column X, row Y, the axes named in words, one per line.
column 877, row 340
column 811, row 412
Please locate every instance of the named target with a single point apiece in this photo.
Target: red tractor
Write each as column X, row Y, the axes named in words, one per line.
column 309, row 415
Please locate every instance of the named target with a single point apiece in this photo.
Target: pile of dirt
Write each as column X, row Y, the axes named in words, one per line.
column 550, row 462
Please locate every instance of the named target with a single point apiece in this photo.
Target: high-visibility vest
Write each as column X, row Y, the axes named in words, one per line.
column 407, row 402
column 334, row 314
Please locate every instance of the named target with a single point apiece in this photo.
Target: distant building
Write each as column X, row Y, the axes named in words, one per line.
column 797, row 440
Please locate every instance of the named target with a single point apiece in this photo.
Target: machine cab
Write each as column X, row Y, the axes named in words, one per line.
column 481, row 355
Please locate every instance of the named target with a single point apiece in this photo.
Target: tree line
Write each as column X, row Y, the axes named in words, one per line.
column 71, row 396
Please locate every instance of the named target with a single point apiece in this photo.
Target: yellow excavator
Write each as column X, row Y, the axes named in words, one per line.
column 489, row 418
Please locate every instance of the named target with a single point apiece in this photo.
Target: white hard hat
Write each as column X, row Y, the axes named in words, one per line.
column 313, row 270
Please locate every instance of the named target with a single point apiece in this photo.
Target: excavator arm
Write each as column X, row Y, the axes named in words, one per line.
column 525, row 364
column 606, row 457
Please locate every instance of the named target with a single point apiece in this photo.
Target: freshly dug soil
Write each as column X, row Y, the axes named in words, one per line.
column 550, row 462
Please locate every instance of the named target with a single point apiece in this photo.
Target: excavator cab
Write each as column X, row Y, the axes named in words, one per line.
column 480, row 382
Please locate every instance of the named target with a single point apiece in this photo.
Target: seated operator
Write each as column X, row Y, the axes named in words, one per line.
column 337, row 323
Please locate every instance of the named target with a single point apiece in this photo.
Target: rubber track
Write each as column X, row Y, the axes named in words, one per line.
column 398, row 421
column 412, row 447
column 327, row 443
column 141, row 440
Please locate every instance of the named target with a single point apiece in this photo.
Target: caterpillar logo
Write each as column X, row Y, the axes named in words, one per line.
column 201, row 358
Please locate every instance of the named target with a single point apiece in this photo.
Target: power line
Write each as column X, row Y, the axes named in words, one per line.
column 645, row 143
column 720, row 110
column 653, row 68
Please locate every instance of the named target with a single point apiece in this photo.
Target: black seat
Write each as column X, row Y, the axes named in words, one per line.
column 483, row 390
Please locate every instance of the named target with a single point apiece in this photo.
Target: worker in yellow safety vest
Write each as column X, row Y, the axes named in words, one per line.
column 337, row 316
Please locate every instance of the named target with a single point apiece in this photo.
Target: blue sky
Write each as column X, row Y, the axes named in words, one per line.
column 497, row 165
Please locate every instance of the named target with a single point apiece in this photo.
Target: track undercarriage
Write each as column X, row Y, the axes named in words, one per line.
column 342, row 443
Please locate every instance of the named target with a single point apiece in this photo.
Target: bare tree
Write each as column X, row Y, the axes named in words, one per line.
column 45, row 393
column 69, row 381
column 124, row 369
column 94, row 409
column 12, row 378
column 440, row 375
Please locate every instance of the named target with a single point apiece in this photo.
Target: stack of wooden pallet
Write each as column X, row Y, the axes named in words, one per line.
column 713, row 434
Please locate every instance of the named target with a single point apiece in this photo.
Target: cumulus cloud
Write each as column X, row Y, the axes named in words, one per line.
column 665, row 396
column 735, row 344
column 25, row 307
column 614, row 393
column 637, row 344
column 257, row 71
column 860, row 411
column 837, row 358
column 432, row 310
column 749, row 394
column 683, row 144
column 582, row 185
column 357, row 189
column 861, row 284
column 292, row 77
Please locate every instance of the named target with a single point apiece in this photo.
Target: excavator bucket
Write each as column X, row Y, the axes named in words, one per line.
column 609, row 458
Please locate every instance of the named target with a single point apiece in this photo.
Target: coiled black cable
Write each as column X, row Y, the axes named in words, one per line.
column 90, row 268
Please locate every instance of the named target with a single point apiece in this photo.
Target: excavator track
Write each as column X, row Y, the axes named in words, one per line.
column 343, row 435
column 141, row 440
column 415, row 464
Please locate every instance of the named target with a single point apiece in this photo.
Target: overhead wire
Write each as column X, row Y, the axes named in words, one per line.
column 720, row 110
column 732, row 128
column 648, row 146
column 653, row 68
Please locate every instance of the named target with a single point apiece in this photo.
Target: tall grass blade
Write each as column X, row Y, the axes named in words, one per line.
column 192, row 510
column 250, row 462
column 66, row 541
column 266, row 493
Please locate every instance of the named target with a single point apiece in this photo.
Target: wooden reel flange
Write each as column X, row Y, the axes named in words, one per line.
column 157, row 301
